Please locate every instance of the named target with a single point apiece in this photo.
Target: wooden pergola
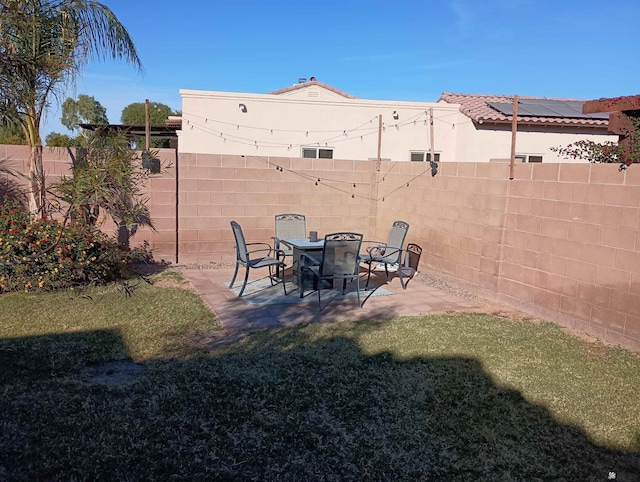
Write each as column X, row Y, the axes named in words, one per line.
column 621, row 110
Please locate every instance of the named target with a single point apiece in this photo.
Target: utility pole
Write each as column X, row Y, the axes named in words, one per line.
column 147, row 132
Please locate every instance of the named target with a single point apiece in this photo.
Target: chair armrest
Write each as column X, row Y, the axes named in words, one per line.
column 265, row 250
column 276, row 242
column 307, row 260
column 259, row 244
column 378, row 250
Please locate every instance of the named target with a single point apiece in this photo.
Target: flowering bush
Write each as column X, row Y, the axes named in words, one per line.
column 47, row 255
column 626, row 152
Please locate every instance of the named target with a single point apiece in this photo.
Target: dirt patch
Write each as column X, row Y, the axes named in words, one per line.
column 120, row 372
column 174, row 283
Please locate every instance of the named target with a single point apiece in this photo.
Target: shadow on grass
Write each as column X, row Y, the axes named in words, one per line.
column 288, row 404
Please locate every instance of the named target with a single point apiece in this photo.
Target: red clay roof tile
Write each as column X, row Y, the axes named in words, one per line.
column 476, row 108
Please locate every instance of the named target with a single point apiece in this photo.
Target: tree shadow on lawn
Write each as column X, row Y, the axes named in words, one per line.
column 292, row 404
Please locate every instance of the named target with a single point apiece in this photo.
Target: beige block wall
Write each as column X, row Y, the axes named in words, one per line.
column 216, row 189
column 559, row 241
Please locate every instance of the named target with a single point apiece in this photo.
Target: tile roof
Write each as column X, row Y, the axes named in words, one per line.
column 476, row 108
column 302, row 85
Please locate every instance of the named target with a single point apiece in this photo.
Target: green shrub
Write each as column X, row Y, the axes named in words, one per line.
column 47, row 255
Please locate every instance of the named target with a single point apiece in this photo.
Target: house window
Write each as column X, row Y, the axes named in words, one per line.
column 420, row 156
column 317, row 153
column 528, row 158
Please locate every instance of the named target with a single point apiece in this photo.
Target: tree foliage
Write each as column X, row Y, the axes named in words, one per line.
column 12, row 134
column 83, row 110
column 44, row 44
column 56, row 139
column 134, row 114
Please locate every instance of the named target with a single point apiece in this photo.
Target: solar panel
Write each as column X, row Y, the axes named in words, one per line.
column 547, row 108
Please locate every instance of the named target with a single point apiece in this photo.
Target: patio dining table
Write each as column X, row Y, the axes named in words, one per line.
column 301, row 247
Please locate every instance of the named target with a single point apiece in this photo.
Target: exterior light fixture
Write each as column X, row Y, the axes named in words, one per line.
column 396, row 116
column 243, row 107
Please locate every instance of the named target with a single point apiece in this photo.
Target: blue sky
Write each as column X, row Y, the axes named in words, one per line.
column 387, row 50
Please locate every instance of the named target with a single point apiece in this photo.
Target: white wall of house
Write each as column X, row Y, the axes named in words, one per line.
column 313, row 117
column 482, row 143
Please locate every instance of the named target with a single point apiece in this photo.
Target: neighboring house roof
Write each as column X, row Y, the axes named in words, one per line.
column 311, row 82
column 495, row 109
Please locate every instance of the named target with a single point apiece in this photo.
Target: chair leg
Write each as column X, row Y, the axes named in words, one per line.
column 368, row 276
column 233, row 280
column 301, row 280
column 386, row 271
column 271, row 274
column 284, row 282
column 358, row 292
column 246, row 277
column 402, row 283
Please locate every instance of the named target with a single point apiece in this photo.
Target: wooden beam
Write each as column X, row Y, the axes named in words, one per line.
column 514, row 130
column 620, row 124
column 630, row 102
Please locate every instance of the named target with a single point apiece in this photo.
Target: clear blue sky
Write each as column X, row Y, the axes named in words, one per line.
column 389, row 50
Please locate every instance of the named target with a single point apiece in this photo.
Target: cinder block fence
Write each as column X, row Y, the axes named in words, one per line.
column 559, row 241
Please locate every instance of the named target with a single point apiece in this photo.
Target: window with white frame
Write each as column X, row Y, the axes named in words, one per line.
column 528, row 157
column 317, row 153
column 421, row 156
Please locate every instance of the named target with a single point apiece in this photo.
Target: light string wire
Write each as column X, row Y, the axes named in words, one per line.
column 326, row 181
column 343, row 137
column 316, row 179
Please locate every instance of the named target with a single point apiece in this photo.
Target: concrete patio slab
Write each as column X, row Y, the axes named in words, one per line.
column 420, row 297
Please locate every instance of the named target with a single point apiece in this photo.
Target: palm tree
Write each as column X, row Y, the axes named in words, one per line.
column 43, row 45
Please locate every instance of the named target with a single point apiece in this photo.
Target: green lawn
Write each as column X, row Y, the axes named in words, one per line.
column 445, row 397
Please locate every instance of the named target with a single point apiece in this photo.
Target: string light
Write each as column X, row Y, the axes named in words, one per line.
column 343, row 137
column 317, row 180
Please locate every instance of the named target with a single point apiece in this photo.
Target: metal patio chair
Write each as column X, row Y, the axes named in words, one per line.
column 264, row 257
column 409, row 265
column 288, row 226
column 340, row 262
column 389, row 253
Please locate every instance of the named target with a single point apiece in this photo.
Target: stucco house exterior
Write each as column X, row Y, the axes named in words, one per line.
column 314, row 120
